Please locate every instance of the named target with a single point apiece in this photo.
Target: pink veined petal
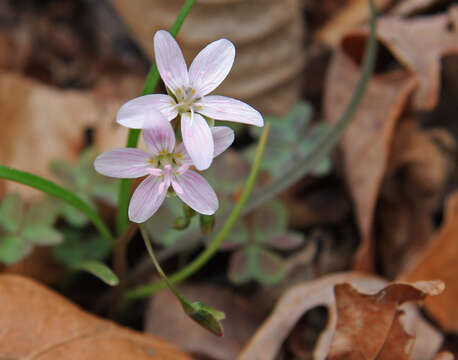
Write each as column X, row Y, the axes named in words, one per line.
column 197, row 139
column 170, row 61
column 223, row 137
column 225, row 108
column 211, row 66
column 141, row 112
column 160, row 137
column 146, row 199
column 196, row 192
column 123, row 163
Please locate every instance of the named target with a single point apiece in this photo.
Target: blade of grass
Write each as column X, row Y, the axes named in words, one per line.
column 132, row 140
column 59, row 192
column 205, row 256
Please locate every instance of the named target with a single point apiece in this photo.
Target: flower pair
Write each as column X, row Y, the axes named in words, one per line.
column 189, row 97
column 168, row 164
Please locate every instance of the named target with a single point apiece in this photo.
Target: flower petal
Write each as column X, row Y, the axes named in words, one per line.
column 123, row 163
column 160, row 137
column 211, row 66
column 170, row 61
column 197, row 139
column 225, row 108
column 196, row 192
column 223, row 137
column 146, row 199
column 141, row 112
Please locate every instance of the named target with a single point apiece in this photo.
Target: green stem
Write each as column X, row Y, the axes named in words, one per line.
column 59, row 192
column 132, row 140
column 202, row 259
column 158, row 267
column 325, row 145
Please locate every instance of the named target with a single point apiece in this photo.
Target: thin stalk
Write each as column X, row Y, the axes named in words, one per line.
column 205, row 256
column 328, row 142
column 158, row 267
column 59, row 192
column 132, row 140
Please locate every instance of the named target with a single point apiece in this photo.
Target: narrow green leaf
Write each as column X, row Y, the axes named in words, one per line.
column 13, row 248
column 99, row 270
column 11, row 212
column 59, row 192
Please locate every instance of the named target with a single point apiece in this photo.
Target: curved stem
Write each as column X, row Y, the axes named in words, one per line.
column 327, row 143
column 158, row 267
column 59, row 192
column 132, row 140
column 202, row 259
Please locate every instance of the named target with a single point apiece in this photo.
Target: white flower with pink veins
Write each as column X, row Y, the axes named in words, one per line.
column 166, row 164
column 189, row 96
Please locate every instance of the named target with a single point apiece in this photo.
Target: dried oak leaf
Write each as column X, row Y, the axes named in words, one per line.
column 373, row 299
column 419, row 44
column 366, row 143
column 354, row 13
column 43, row 123
column 440, row 260
column 419, row 167
column 168, row 322
column 38, row 323
column 368, row 326
column 409, row 7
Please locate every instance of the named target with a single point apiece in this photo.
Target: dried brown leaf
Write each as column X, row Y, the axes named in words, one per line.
column 267, row 341
column 43, row 123
column 419, row 167
column 353, row 14
column 419, row 44
column 366, row 143
column 440, row 260
column 409, row 7
column 444, row 356
column 38, row 323
column 168, row 322
column 368, row 325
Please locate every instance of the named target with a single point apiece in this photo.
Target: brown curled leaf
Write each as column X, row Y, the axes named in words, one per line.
column 366, row 143
column 44, row 123
column 372, row 299
column 440, row 260
column 38, row 323
column 368, row 325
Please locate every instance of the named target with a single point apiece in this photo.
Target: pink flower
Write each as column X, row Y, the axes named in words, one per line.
column 166, row 164
column 189, row 96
